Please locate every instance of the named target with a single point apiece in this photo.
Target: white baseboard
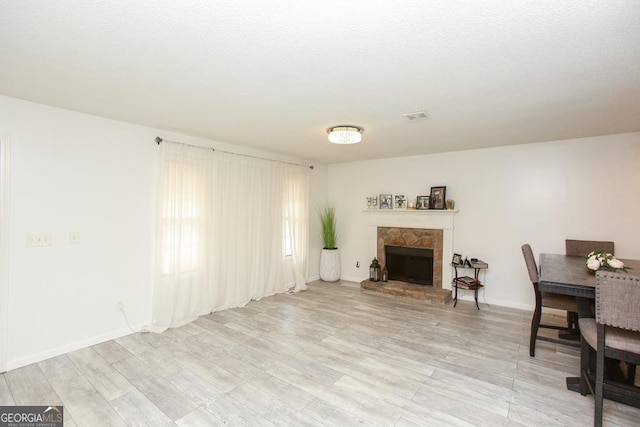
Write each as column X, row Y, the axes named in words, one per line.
column 39, row 357
column 351, row 279
column 467, row 295
column 343, row 278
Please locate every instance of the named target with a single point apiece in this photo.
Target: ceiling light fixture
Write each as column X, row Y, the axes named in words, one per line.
column 345, row 134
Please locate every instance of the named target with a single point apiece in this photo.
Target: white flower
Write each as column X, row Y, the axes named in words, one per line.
column 615, row 263
column 603, row 260
column 593, row 263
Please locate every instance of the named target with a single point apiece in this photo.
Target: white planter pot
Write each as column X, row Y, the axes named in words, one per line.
column 330, row 265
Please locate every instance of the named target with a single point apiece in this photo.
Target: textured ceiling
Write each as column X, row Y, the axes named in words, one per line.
column 275, row 75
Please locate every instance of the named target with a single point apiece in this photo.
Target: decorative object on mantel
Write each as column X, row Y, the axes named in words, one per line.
column 374, row 270
column 345, row 134
column 422, row 202
column 437, row 197
column 451, row 204
column 602, row 260
column 386, row 201
column 400, row 202
column 372, row 202
column 330, row 255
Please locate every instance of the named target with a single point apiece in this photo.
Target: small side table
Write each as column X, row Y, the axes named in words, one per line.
column 466, row 282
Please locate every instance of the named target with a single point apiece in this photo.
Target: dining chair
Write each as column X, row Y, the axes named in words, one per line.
column 584, row 247
column 549, row 300
column 615, row 334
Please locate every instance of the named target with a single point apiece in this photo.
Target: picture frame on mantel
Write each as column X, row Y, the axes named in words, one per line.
column 400, row 202
column 386, row 201
column 437, row 197
column 422, row 202
column 372, row 202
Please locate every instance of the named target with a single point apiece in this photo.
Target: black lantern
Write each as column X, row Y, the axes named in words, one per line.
column 385, row 274
column 374, row 271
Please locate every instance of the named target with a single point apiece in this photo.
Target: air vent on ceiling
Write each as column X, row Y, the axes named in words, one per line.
column 414, row 117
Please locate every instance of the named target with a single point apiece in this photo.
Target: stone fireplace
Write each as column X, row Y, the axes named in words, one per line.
column 414, row 229
column 412, row 238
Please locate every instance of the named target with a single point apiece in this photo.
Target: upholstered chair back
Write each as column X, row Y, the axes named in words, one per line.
column 584, row 247
column 618, row 300
column 530, row 260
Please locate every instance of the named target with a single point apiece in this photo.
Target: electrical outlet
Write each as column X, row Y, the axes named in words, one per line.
column 74, row 237
column 357, row 264
column 120, row 304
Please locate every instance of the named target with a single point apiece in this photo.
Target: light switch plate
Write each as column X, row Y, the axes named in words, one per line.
column 38, row 239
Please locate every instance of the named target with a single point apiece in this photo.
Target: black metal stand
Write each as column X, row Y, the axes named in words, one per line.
column 474, row 287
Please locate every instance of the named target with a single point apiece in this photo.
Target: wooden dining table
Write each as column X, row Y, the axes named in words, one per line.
column 569, row 275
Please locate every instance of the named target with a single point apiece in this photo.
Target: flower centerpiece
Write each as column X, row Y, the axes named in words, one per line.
column 602, row 260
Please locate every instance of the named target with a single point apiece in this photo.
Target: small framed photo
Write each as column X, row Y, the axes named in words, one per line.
column 422, row 202
column 400, row 201
column 457, row 259
column 437, row 197
column 372, row 202
column 386, row 201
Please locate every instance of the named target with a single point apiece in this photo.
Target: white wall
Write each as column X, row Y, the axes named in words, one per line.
column 537, row 193
column 76, row 172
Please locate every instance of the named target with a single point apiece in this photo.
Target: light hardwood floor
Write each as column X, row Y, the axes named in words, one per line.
column 331, row 356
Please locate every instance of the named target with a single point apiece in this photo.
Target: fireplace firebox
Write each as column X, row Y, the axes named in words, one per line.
column 413, row 265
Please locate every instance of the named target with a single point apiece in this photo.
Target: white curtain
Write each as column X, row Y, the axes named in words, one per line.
column 180, row 293
column 220, row 236
column 296, row 206
column 247, row 256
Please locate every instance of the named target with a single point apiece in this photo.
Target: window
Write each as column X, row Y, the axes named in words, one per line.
column 180, row 234
column 181, row 230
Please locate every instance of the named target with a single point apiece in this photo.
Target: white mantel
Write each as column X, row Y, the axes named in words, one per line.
column 414, row 218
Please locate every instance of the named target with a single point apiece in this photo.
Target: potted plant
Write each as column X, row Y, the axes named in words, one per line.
column 330, row 256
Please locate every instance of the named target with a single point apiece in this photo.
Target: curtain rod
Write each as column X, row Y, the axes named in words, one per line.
column 159, row 140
